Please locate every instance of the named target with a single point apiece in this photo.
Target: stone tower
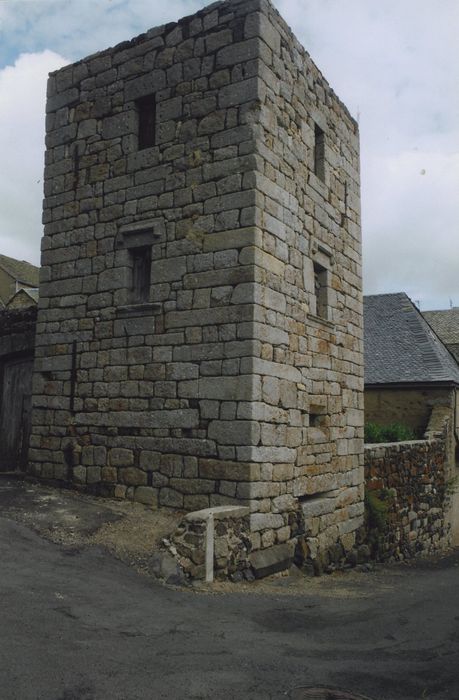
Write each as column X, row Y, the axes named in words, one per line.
column 199, row 337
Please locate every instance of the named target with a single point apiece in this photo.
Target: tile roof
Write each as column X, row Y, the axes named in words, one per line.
column 20, row 270
column 400, row 346
column 445, row 324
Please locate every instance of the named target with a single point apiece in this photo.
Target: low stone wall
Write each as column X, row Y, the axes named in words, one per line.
column 230, row 535
column 228, row 528
column 407, row 496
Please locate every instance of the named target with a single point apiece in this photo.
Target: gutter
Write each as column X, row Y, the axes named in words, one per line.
column 444, row 384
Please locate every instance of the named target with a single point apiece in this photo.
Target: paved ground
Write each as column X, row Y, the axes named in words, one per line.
column 78, row 624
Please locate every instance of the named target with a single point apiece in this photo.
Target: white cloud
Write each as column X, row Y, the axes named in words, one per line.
column 393, row 63
column 22, row 127
column 411, row 225
column 395, row 67
column 77, row 28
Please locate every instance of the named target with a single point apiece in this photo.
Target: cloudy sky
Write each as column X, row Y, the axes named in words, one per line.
column 393, row 62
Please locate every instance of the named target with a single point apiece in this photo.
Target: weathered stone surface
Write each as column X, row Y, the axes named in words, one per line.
column 146, row 495
column 231, row 471
column 132, row 476
column 120, row 457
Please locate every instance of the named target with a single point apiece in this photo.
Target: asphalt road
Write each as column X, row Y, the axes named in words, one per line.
column 81, row 625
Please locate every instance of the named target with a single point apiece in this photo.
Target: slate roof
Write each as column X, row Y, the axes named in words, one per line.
column 445, row 324
column 400, row 347
column 20, row 270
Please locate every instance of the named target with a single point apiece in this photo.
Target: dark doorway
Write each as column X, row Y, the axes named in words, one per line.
column 15, row 413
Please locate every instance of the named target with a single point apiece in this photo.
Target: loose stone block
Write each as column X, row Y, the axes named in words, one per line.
column 269, row 561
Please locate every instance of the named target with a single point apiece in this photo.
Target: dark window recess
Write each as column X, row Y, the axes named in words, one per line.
column 146, row 108
column 317, row 420
column 319, row 153
column 344, row 214
column 318, row 417
column 141, row 273
column 321, row 290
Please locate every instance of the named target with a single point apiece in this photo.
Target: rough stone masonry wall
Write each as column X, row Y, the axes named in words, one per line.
column 227, row 384
column 412, row 481
column 17, row 331
column 310, row 365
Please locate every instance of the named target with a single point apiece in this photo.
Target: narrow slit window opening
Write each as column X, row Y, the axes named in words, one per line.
column 319, row 152
column 141, row 274
column 321, row 290
column 146, row 108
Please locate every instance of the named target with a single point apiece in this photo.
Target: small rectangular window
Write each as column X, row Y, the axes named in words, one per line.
column 319, row 152
column 141, row 274
column 146, row 108
column 321, row 290
column 317, row 420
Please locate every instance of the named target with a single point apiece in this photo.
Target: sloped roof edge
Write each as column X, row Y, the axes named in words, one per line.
column 400, row 346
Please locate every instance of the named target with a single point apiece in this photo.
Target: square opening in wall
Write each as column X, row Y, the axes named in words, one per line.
column 318, row 416
column 317, row 420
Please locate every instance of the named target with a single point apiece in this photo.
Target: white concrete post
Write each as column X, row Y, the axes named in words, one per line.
column 210, row 548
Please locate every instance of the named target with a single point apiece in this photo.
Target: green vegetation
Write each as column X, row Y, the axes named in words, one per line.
column 395, row 432
column 452, row 485
column 377, row 504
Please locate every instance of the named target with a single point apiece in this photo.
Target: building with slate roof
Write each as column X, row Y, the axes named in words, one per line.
column 408, row 370
column 445, row 323
column 23, row 298
column 16, row 275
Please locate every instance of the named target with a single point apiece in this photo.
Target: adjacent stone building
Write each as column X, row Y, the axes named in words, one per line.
column 199, row 337
column 16, row 275
column 411, row 378
column 408, row 370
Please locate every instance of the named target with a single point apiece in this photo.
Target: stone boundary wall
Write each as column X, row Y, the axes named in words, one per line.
column 407, row 496
column 230, row 550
